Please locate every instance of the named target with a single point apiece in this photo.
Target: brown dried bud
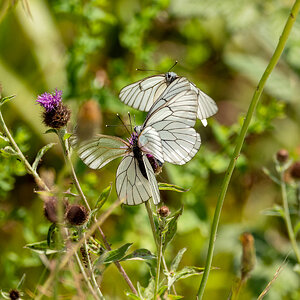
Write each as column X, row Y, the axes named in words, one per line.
column 57, row 117
column 282, row 155
column 14, row 294
column 163, row 211
column 77, row 215
column 248, row 257
column 295, row 170
column 50, row 209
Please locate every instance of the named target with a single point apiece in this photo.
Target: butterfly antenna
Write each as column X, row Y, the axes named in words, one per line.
column 130, row 121
column 144, row 70
column 173, row 65
column 123, row 123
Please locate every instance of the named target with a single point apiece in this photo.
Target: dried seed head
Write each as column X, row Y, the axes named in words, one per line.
column 50, row 209
column 57, row 117
column 163, row 211
column 282, row 155
column 14, row 294
column 77, row 215
column 248, row 257
column 295, row 170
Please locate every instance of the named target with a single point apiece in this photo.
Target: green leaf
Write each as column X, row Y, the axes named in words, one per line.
column 67, row 135
column 270, row 175
column 182, row 274
column 52, row 229
column 171, row 187
column 276, row 211
column 40, row 155
column 162, row 289
column 8, row 150
column 132, row 296
column 171, row 228
column 6, row 99
column 103, row 197
column 113, row 255
column 42, row 248
column 177, row 260
column 140, row 254
column 4, row 137
column 4, row 295
column 51, row 130
column 149, row 290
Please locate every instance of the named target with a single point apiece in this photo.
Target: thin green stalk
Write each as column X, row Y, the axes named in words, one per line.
column 67, row 156
column 287, row 218
column 86, row 278
column 21, row 156
column 151, row 219
column 240, row 140
column 158, row 243
column 159, row 256
column 92, row 272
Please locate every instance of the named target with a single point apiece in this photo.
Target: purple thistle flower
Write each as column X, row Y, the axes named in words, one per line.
column 50, row 101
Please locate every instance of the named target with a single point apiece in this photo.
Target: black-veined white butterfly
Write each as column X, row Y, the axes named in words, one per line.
column 167, row 135
column 143, row 93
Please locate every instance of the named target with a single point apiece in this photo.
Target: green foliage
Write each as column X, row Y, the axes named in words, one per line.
column 11, row 166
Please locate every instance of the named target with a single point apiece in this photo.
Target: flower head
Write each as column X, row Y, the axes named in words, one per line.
column 56, row 114
column 77, row 215
column 50, row 101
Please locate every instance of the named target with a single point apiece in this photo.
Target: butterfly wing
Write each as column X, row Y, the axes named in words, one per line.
column 152, row 180
column 150, row 142
column 131, row 185
column 207, row 107
column 142, row 94
column 100, row 150
column 174, row 119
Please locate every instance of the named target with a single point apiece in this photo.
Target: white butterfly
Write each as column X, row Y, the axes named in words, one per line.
column 143, row 93
column 167, row 135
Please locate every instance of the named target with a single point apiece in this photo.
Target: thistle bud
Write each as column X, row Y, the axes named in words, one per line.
column 56, row 114
column 77, row 215
column 295, row 170
column 248, row 257
column 50, row 209
column 50, row 206
column 14, row 294
column 163, row 211
column 282, row 156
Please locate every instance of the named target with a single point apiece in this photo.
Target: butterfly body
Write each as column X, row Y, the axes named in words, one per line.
column 170, row 77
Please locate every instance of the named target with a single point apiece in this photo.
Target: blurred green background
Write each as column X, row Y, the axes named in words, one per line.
column 90, row 50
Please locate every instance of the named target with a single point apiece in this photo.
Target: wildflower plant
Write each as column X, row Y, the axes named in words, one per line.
column 75, row 241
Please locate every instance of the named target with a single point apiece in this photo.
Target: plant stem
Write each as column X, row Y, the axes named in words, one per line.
column 158, row 243
column 92, row 271
column 21, row 156
column 151, row 219
column 240, row 140
column 86, row 278
column 287, row 217
column 75, row 247
column 78, row 187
